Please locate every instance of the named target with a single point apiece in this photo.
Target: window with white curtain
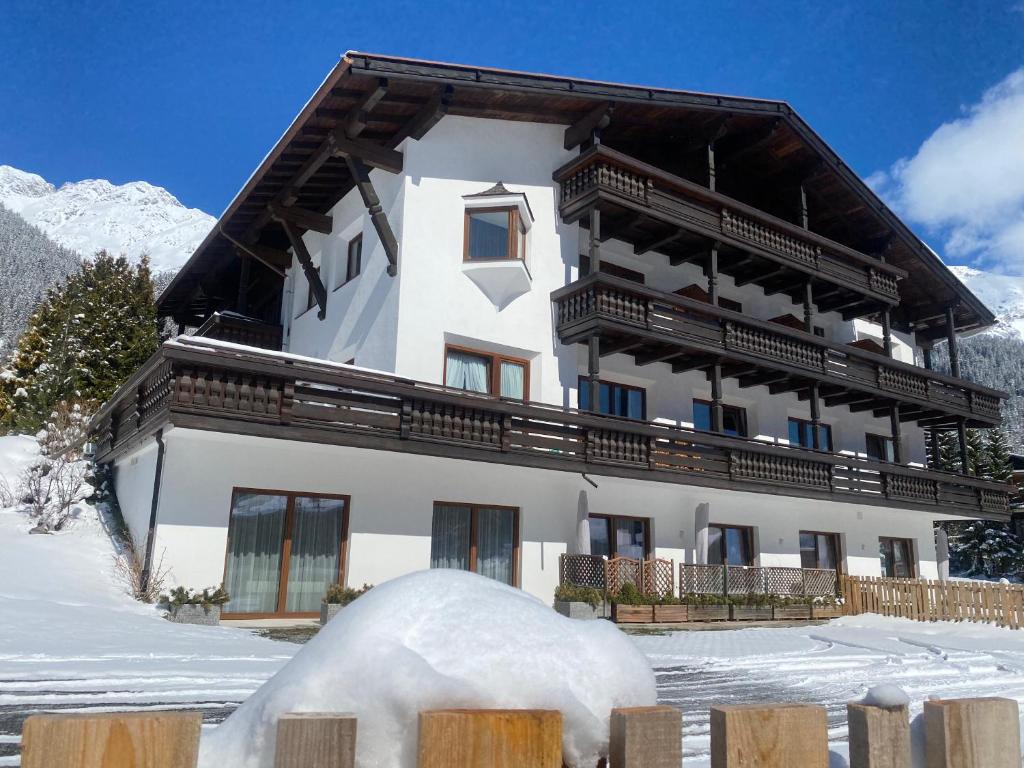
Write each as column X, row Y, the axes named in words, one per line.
column 263, row 526
column 486, row 372
column 482, row 539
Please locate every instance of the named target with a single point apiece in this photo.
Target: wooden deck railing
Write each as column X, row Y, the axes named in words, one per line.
column 201, row 384
column 239, row 329
column 930, row 600
column 628, row 308
column 639, row 186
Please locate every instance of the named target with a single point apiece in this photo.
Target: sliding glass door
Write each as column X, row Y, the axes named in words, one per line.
column 284, row 550
column 483, row 539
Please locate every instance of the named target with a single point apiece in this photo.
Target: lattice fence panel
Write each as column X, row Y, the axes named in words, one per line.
column 785, row 581
column 820, row 581
column 744, row 581
column 659, row 577
column 623, row 570
column 582, row 570
column 701, row 579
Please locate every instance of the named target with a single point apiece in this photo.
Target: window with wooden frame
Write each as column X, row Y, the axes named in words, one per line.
column 879, row 447
column 801, row 433
column 819, row 550
column 494, row 234
column 734, row 419
column 620, row 536
column 897, row 556
column 482, row 538
column 486, row 372
column 284, row 549
column 615, row 399
column 353, row 262
column 730, row 545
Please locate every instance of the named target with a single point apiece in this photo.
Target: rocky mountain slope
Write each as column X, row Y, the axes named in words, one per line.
column 86, row 216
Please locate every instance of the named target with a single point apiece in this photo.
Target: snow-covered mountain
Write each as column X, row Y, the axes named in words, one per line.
column 1003, row 294
column 134, row 218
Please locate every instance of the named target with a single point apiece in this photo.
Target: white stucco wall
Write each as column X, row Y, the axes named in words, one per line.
column 133, row 479
column 393, row 494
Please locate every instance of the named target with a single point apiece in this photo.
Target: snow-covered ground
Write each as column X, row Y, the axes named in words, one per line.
column 72, row 639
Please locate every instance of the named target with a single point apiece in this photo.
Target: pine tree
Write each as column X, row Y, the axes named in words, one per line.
column 977, row 454
column 998, row 447
column 85, row 339
column 949, row 451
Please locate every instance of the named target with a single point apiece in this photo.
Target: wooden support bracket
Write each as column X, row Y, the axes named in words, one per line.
column 361, row 177
column 596, row 119
column 302, row 253
column 301, row 217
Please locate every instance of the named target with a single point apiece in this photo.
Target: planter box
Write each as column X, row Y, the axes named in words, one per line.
column 195, row 614
column 792, row 612
column 826, row 611
column 576, row 610
column 328, row 611
column 707, row 612
column 751, row 612
column 632, row 614
column 670, row 614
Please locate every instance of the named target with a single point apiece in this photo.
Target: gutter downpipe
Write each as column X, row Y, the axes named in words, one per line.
column 151, row 536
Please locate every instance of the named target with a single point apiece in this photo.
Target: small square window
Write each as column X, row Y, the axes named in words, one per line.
column 494, row 233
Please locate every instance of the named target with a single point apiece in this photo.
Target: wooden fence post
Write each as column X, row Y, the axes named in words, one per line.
column 646, row 737
column 114, row 740
column 772, row 736
column 324, row 740
column 972, row 733
column 490, row 738
column 879, row 736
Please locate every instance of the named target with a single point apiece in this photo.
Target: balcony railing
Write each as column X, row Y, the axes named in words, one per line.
column 239, row 329
column 613, row 304
column 203, row 384
column 604, row 173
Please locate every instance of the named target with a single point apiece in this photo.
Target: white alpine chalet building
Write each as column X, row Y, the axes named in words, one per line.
column 455, row 311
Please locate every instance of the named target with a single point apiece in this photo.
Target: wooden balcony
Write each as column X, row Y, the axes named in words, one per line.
column 202, row 384
column 239, row 329
column 654, row 326
column 655, row 210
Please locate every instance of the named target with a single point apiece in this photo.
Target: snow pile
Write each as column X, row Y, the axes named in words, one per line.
column 17, row 452
column 441, row 639
column 886, row 696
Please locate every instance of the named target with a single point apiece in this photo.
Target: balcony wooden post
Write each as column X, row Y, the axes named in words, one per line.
column 711, row 166
column 715, row 374
column 594, row 242
column 926, row 352
column 961, row 433
column 897, row 435
column 803, row 208
column 242, row 301
column 809, row 306
column 594, row 372
column 711, row 271
column 954, row 352
column 887, row 332
column 815, row 401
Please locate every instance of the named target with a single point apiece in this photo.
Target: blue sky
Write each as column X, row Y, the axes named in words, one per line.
column 190, row 96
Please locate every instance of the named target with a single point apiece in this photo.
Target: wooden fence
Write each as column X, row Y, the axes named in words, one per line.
column 929, row 600
column 960, row 733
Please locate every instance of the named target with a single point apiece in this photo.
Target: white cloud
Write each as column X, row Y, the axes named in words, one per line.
column 965, row 184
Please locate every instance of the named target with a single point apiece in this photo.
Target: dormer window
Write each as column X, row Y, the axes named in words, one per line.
column 494, row 233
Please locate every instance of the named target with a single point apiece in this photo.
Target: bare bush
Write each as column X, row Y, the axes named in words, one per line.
column 130, row 565
column 7, row 496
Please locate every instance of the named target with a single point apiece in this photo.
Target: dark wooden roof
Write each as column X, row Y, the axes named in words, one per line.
column 764, row 149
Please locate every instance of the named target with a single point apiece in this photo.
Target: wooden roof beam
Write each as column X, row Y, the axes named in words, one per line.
column 730, row 150
column 300, row 217
column 847, row 399
column 754, row 276
column 657, row 357
column 655, row 243
column 374, row 155
column 359, row 115
column 595, row 120
column 620, row 346
column 429, row 115
column 762, row 379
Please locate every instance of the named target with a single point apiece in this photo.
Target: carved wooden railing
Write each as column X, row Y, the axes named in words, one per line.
column 204, row 384
column 696, row 325
column 770, row 580
column 619, row 177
